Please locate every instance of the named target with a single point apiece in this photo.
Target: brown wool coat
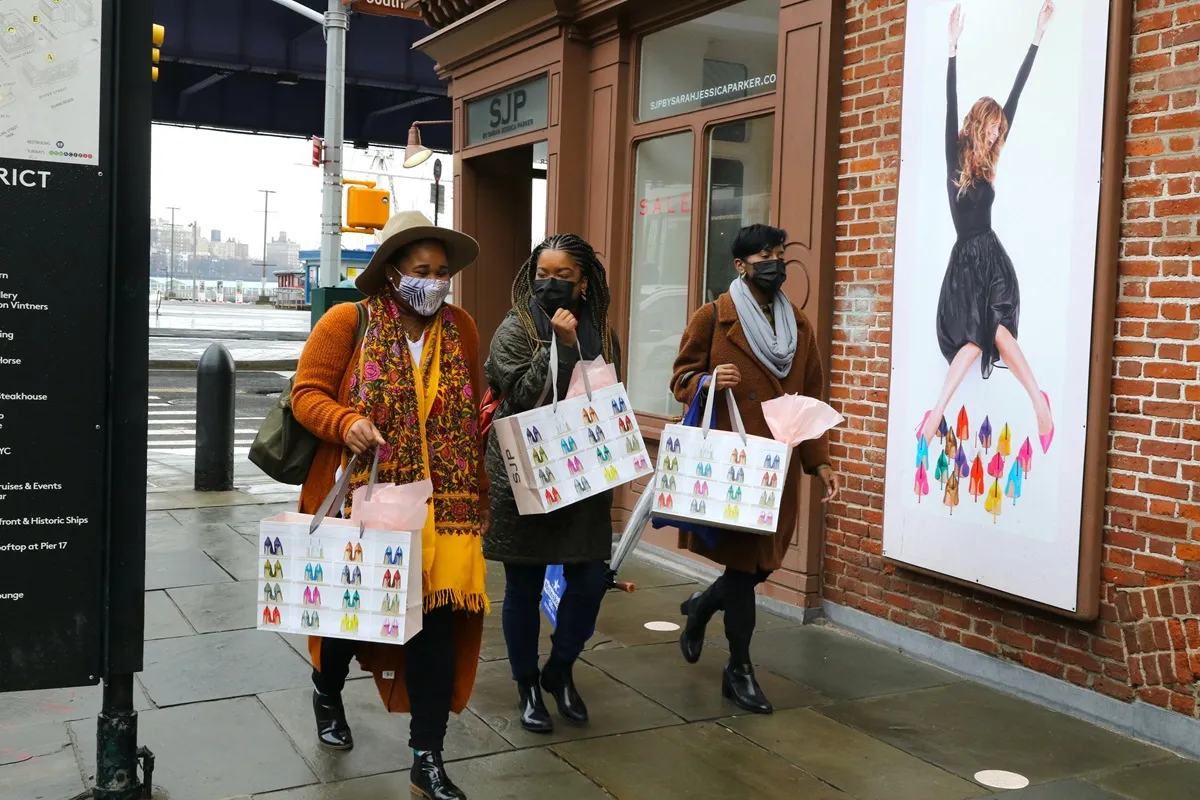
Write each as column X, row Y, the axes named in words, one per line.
column 714, row 336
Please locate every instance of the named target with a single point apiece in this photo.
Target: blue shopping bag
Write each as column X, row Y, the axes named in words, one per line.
column 552, row 591
column 692, row 418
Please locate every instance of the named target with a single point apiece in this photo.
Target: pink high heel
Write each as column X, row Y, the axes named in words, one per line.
column 1048, row 438
column 924, row 419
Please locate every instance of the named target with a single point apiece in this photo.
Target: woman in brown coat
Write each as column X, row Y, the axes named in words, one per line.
column 754, row 341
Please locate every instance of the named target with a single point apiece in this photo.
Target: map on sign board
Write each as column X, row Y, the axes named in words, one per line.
column 50, row 80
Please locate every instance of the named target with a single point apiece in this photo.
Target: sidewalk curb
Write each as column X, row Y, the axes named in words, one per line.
column 236, row 336
column 266, row 365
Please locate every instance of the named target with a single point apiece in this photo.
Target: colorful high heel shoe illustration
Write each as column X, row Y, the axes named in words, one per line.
column 671, row 464
column 963, row 428
column 921, row 482
column 921, row 425
column 950, row 496
column 309, row 575
column 633, row 445
column 539, row 455
column 315, row 550
column 942, row 429
column 273, row 572
column 952, row 447
column 735, row 494
column 270, row 595
column 995, row 501
column 582, row 486
column 1004, row 446
column 346, row 575
column 611, row 474
column 356, row 577
column 941, row 472
column 1012, row 488
column 308, row 596
column 1047, row 439
column 667, row 482
column 976, row 485
column 985, row 434
column 704, row 470
column 552, row 496
column 923, row 453
column 641, row 464
column 603, row 455
column 996, row 466
column 533, row 436
column 732, row 512
column 701, row 489
column 1025, row 457
column 962, row 465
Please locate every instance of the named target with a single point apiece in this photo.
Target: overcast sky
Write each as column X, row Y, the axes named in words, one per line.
column 214, row 178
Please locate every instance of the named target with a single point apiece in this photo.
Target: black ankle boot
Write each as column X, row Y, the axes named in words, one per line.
column 739, row 685
column 332, row 730
column 699, row 609
column 429, row 779
column 534, row 716
column 557, row 680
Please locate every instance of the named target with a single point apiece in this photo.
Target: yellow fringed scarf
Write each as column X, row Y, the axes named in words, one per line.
column 428, row 415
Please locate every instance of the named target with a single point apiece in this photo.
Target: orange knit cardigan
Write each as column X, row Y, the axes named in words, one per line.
column 321, row 403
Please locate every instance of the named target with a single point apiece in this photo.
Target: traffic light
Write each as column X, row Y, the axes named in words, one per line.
column 158, row 34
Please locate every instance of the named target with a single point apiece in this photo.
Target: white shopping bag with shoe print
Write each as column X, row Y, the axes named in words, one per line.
column 572, row 449
column 355, row 578
column 718, row 478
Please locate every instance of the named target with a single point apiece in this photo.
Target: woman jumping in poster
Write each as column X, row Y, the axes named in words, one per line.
column 980, row 302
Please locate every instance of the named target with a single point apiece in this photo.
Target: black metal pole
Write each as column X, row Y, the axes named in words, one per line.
column 116, row 742
column 215, row 378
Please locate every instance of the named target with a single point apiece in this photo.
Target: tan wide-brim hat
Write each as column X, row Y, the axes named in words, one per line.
column 405, row 228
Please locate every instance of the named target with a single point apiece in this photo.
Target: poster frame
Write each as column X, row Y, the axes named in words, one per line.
column 1108, row 240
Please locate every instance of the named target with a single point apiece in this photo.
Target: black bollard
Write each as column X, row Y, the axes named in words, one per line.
column 215, row 378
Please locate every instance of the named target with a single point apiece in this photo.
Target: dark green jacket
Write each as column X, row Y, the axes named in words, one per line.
column 578, row 533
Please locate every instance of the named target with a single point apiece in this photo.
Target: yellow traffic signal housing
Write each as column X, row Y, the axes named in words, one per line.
column 367, row 208
column 158, row 34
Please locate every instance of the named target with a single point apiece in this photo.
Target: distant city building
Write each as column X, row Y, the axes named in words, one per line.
column 283, row 253
column 215, row 236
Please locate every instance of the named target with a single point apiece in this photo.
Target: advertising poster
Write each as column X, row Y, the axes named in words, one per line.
column 996, row 230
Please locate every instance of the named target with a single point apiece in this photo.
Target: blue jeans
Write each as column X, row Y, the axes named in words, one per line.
column 577, row 612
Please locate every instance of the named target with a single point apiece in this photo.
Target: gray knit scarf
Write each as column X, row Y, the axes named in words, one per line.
column 774, row 348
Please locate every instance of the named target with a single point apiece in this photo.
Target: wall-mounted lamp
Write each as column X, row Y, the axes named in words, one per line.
column 416, row 153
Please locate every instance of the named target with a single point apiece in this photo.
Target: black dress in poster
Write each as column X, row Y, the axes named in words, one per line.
column 995, row 263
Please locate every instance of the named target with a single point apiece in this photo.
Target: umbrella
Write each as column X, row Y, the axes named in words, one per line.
column 629, row 539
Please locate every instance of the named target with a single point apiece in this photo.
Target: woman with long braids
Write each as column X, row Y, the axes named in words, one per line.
column 562, row 290
column 980, row 302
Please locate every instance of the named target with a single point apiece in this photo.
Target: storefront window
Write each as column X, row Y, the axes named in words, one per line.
column 662, row 224
column 739, row 192
column 717, row 58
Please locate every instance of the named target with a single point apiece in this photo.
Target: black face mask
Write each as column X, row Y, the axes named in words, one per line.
column 552, row 294
column 769, row 275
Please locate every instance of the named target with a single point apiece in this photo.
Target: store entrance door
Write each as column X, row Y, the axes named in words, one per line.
column 498, row 202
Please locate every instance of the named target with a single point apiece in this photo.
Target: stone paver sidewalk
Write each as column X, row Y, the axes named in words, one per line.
column 226, row 709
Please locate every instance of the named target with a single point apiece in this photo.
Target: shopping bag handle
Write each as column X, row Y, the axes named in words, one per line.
column 587, row 384
column 735, row 416
column 337, row 495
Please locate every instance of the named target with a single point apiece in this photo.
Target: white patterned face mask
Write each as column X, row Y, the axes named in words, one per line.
column 423, row 295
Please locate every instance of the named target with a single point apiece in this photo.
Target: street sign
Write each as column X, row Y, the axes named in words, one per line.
column 437, row 196
column 437, row 170
column 318, row 151
column 386, row 8
column 73, row 374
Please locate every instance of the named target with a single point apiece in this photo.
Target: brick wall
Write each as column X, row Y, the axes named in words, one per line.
column 1146, row 643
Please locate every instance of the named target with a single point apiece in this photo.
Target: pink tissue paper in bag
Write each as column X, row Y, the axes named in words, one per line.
column 600, row 374
column 794, row 418
column 393, row 507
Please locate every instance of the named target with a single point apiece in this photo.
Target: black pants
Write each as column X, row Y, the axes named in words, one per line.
column 429, row 660
column 577, row 612
column 733, row 593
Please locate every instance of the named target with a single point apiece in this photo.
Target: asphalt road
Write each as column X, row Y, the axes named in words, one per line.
column 172, row 409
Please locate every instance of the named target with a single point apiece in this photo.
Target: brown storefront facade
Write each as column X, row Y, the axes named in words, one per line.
column 666, row 126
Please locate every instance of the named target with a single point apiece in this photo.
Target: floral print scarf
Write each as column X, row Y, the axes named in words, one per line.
column 427, row 413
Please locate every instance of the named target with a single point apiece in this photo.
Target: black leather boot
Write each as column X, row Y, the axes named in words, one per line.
column 429, row 778
column 557, row 680
column 699, row 609
column 534, row 716
column 739, row 685
column 332, row 730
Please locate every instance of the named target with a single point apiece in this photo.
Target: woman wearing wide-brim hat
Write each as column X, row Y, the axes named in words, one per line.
column 410, row 388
